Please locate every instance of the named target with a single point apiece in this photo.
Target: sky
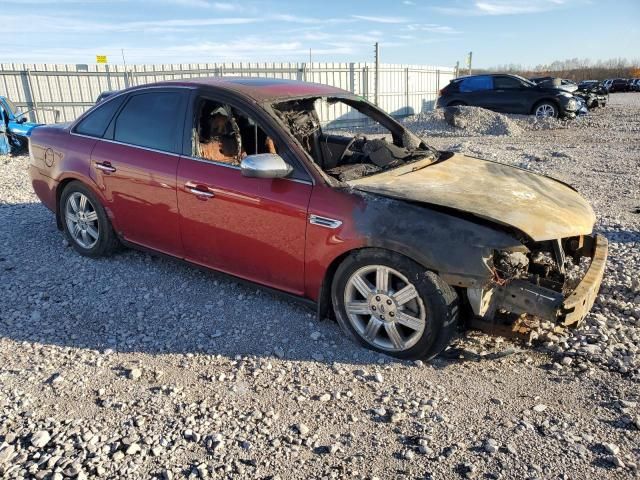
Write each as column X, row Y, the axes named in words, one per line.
column 434, row 32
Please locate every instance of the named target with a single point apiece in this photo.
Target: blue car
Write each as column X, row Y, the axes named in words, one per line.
column 14, row 128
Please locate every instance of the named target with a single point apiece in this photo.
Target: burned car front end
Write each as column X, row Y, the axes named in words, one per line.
column 519, row 246
column 554, row 264
column 555, row 281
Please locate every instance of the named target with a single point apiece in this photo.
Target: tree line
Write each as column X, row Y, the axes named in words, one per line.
column 576, row 69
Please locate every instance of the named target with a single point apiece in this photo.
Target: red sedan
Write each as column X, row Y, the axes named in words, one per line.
column 403, row 243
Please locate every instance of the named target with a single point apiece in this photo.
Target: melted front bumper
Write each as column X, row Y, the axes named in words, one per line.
column 524, row 298
column 576, row 306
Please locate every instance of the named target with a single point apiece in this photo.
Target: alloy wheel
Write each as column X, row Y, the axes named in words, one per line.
column 545, row 110
column 385, row 308
column 82, row 220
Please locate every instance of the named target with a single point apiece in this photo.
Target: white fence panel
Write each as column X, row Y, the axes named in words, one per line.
column 64, row 92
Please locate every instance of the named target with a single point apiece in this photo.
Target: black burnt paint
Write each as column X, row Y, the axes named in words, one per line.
column 452, row 246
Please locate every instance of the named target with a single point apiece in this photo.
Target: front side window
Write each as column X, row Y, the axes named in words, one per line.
column 475, row 84
column 150, row 120
column 97, row 121
column 506, row 83
column 224, row 134
column 339, row 148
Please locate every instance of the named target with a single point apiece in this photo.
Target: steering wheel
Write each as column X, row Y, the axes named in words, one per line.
column 349, row 145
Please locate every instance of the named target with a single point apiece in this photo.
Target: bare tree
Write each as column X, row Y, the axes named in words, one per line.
column 574, row 69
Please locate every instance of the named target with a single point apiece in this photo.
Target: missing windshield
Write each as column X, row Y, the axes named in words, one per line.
column 331, row 130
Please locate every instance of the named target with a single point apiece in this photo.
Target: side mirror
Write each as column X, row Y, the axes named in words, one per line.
column 22, row 119
column 265, row 165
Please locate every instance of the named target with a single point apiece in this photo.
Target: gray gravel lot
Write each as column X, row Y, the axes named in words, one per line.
column 137, row 366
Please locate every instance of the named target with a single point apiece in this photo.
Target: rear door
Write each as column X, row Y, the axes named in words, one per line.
column 477, row 91
column 253, row 228
column 135, row 166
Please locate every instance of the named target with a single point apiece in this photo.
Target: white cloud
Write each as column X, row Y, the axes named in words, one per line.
column 432, row 28
column 371, row 18
column 226, row 7
column 502, row 7
column 81, row 25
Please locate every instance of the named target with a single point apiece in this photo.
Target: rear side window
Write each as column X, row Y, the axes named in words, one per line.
column 150, row 120
column 96, row 122
column 474, row 84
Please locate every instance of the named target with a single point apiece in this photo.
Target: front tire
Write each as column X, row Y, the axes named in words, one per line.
column 85, row 222
column 546, row 110
column 391, row 304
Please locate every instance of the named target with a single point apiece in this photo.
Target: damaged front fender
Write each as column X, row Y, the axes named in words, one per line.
column 456, row 247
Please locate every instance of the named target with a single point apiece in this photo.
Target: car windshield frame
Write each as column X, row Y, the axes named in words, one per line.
column 526, row 81
column 13, row 109
column 368, row 109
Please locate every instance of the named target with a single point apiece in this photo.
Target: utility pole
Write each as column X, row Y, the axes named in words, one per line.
column 124, row 62
column 377, row 74
column 469, row 58
column 309, row 58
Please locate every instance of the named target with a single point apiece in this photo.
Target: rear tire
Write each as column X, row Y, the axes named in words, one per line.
column 85, row 222
column 390, row 304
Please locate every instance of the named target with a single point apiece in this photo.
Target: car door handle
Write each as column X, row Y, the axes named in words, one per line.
column 105, row 167
column 199, row 190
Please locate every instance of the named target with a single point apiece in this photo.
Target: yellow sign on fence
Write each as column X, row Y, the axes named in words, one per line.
column 101, row 59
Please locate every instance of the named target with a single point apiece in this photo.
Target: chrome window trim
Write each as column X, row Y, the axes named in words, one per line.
column 237, row 167
column 325, row 222
column 155, row 150
column 185, row 157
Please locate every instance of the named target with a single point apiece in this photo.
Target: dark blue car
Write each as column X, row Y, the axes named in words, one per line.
column 509, row 94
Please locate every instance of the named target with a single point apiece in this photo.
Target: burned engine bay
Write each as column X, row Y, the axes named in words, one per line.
column 345, row 156
column 531, row 282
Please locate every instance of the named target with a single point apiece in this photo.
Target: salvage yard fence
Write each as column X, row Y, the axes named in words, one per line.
column 63, row 92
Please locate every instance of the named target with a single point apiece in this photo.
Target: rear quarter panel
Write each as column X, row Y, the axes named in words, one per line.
column 57, row 157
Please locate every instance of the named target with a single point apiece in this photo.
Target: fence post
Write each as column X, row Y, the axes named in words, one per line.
column 108, row 77
column 376, row 85
column 365, row 82
column 352, row 77
column 406, row 87
column 30, row 93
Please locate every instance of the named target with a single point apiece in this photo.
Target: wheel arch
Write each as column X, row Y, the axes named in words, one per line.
column 324, row 302
column 59, row 189
column 88, row 184
column 545, row 100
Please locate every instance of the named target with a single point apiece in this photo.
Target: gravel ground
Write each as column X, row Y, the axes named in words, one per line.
column 137, row 366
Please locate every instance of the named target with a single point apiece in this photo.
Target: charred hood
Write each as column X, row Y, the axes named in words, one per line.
column 539, row 206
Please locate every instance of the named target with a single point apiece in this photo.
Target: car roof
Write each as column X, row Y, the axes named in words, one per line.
column 258, row 88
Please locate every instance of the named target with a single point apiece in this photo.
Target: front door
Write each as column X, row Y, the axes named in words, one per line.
column 135, row 166
column 509, row 95
column 253, row 228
